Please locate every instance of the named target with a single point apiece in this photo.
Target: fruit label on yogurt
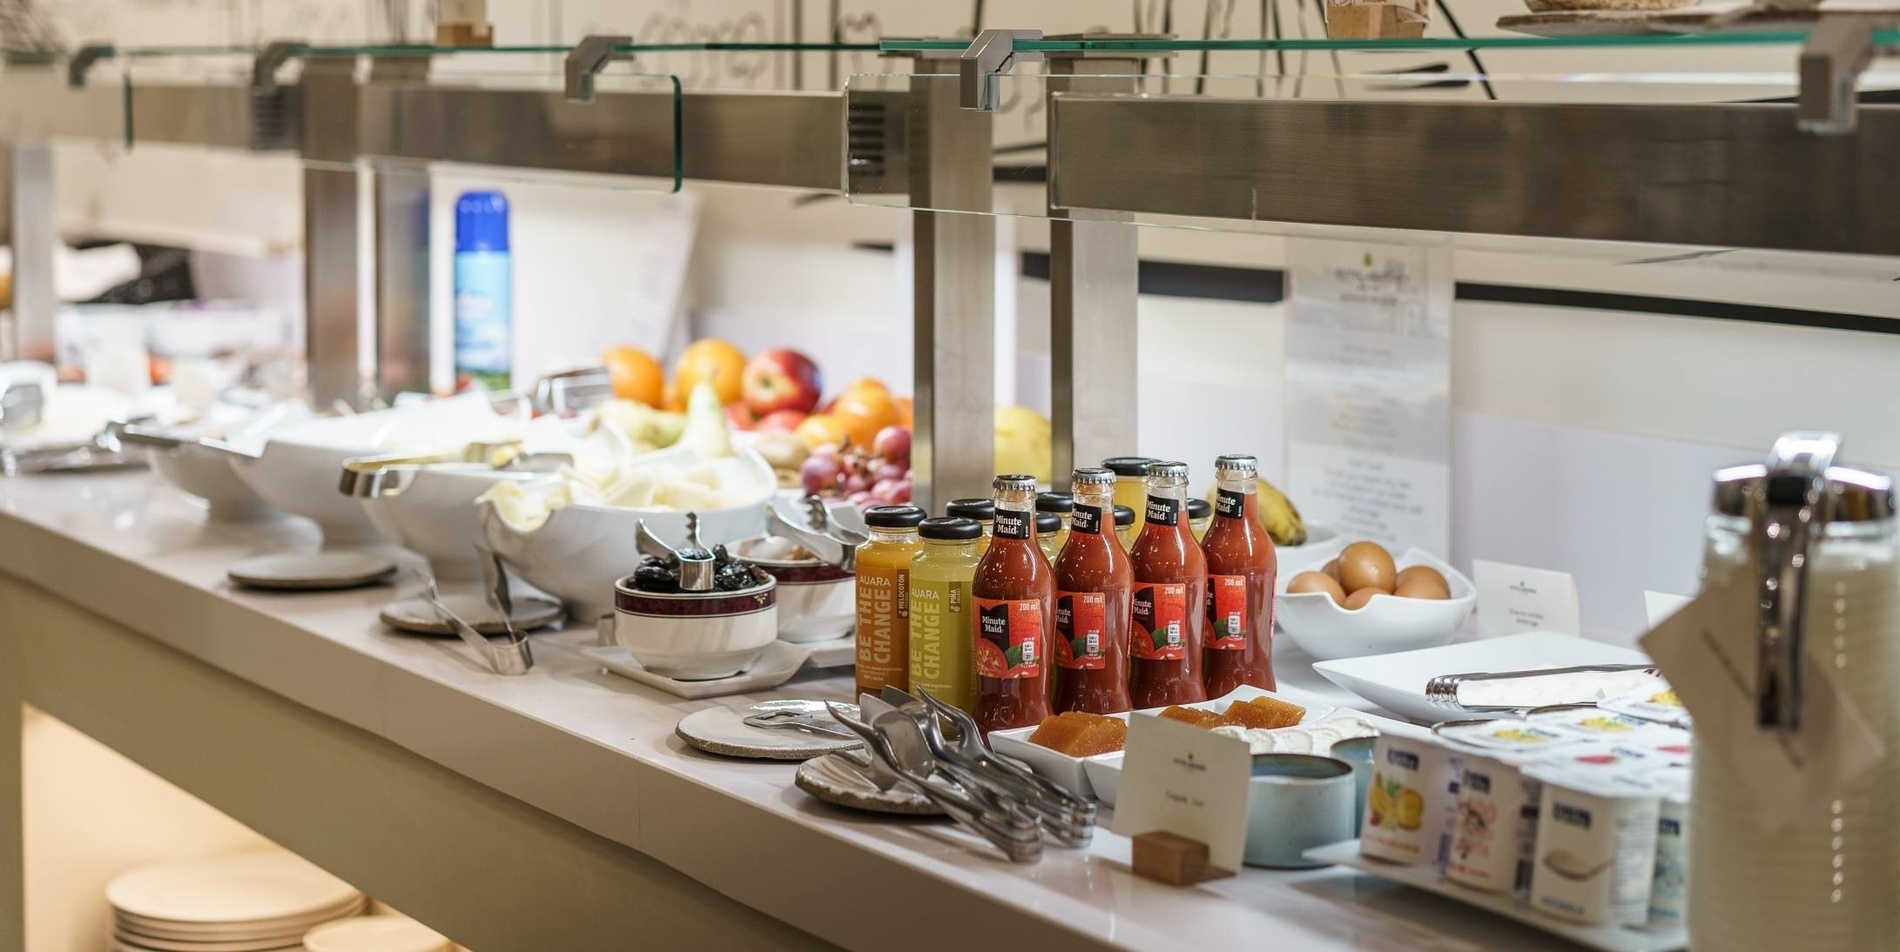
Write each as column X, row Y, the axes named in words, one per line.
column 1159, row 632
column 1411, row 802
column 1165, row 511
column 1506, row 735
column 1081, row 626
column 1227, row 612
column 1009, row 637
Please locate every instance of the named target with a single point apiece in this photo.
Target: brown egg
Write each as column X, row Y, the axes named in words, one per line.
column 1331, row 569
column 1421, row 587
column 1417, row 572
column 1316, row 582
column 1361, row 598
column 1366, row 565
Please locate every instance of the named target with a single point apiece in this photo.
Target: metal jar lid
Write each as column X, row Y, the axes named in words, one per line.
column 1014, row 482
column 1092, row 476
column 1236, row 463
column 1170, row 470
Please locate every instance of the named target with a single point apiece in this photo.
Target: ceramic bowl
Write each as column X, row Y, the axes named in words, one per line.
column 206, row 473
column 1388, row 623
column 817, row 601
column 581, row 551
column 695, row 636
column 295, row 467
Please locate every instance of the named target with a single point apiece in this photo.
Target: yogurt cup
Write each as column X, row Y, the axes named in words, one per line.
column 1669, row 890
column 1595, row 860
column 1494, row 835
column 1410, row 803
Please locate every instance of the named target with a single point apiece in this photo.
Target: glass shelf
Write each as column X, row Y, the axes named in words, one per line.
column 1154, row 47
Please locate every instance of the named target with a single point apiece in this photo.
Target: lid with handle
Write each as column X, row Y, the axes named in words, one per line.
column 1789, row 502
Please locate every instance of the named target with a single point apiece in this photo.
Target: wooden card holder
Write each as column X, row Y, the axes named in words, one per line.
column 1173, row 859
column 1372, row 21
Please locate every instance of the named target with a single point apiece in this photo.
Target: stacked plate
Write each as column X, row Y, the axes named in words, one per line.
column 251, row 902
column 384, row 933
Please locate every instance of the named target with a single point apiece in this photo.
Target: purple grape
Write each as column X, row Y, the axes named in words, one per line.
column 891, row 472
column 820, row 475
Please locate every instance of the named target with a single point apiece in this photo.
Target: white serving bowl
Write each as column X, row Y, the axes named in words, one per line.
column 580, row 552
column 695, row 636
column 180, row 459
column 296, row 467
column 1386, row 624
column 817, row 601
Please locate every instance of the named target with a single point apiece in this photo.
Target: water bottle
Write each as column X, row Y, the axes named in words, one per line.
column 484, row 292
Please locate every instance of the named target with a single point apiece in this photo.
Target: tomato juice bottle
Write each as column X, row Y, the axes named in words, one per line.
column 1241, row 568
column 1170, row 595
column 1094, row 581
column 1013, row 595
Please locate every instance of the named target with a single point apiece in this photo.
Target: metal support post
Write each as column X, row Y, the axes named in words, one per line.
column 954, row 294
column 402, row 257
column 1093, row 270
column 33, row 234
column 332, row 278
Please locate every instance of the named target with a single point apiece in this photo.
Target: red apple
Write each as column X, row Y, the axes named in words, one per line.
column 781, row 380
column 740, row 417
column 787, row 420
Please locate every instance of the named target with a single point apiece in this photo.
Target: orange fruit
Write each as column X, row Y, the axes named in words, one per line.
column 821, row 428
column 671, row 398
column 864, row 412
column 714, row 361
column 635, row 374
column 906, row 412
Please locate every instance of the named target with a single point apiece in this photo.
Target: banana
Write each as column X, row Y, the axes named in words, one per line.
column 1277, row 515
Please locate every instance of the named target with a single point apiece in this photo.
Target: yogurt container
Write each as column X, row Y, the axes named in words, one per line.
column 1411, row 801
column 1595, row 860
column 1516, row 737
column 1495, row 832
column 1594, row 723
column 1669, row 890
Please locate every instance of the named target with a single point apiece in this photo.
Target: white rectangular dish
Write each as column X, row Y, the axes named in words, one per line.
column 1606, row 938
column 1396, row 682
column 1071, row 772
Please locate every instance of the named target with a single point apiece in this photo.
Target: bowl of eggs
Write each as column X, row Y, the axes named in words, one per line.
column 1365, row 602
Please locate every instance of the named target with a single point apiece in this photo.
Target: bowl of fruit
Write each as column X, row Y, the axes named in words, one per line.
column 877, row 475
column 1365, row 602
column 817, row 600
column 696, row 635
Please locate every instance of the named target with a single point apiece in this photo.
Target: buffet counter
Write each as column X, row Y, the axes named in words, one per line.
column 380, row 756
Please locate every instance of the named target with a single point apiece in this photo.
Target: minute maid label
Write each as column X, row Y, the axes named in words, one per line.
column 1164, row 511
column 1012, row 524
column 1009, row 641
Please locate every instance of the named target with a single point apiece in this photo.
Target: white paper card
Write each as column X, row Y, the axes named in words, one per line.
column 1368, row 410
column 1661, row 605
column 1513, row 599
column 1186, row 781
column 1709, row 652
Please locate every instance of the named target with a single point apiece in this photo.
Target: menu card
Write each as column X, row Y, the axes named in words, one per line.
column 1368, row 410
column 1187, row 781
column 1515, row 598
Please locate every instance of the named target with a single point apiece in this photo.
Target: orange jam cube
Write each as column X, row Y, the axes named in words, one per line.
column 1079, row 734
column 1266, row 713
column 1203, row 719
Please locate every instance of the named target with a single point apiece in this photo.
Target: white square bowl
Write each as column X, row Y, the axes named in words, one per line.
column 1388, row 623
column 1397, row 681
column 1075, row 773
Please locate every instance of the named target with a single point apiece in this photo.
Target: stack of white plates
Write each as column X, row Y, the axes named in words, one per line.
column 384, row 933
column 252, row 902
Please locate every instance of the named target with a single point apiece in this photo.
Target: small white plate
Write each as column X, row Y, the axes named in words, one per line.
column 311, row 571
column 723, row 731
column 775, row 666
column 837, row 782
column 384, row 933
column 148, row 944
column 244, row 931
column 1072, row 773
column 246, row 887
column 414, row 615
column 1396, row 682
column 832, row 654
column 1606, row 938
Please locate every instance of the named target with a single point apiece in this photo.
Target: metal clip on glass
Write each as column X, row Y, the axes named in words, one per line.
column 1788, row 503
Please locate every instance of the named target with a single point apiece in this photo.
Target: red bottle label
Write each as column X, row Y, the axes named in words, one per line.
column 1227, row 612
column 1009, row 637
column 1081, row 628
column 1160, row 621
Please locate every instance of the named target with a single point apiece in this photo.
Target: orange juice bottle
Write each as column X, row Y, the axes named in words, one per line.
column 884, row 596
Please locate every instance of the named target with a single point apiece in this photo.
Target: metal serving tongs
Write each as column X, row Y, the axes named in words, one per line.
column 970, row 744
column 696, row 561
column 511, row 657
column 1442, row 691
column 821, row 544
column 387, row 474
column 1018, row 836
column 1067, row 817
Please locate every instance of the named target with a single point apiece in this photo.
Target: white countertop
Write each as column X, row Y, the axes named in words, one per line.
column 599, row 751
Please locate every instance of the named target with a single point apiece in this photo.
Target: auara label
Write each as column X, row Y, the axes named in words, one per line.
column 1160, row 619
column 1165, row 511
column 1009, row 636
column 1230, row 504
column 883, row 626
column 1087, row 519
column 1011, row 524
column 1081, row 629
column 1227, row 612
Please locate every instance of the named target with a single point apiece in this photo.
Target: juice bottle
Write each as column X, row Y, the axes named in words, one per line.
column 1094, row 581
column 1241, row 567
column 1200, row 518
column 981, row 510
column 884, row 596
column 942, row 659
column 1170, row 596
column 1131, row 484
column 1048, row 529
column 1063, row 505
column 1125, row 526
column 1014, row 597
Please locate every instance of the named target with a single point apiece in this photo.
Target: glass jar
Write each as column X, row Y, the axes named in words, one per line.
column 942, row 659
column 1828, row 881
column 1048, row 529
column 1125, row 525
column 1200, row 517
column 883, row 580
column 982, row 511
column 1131, row 485
column 1063, row 505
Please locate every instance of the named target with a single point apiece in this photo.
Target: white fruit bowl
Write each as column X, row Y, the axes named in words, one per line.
column 296, row 467
column 817, row 601
column 1386, row 624
column 695, row 636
